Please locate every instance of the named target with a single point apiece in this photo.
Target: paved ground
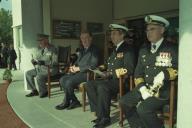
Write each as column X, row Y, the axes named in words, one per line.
column 8, row 118
column 40, row 113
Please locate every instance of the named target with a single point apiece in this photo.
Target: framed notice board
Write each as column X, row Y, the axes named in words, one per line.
column 66, row 29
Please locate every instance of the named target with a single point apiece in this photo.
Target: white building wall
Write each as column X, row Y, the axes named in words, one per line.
column 17, row 26
column 99, row 11
column 46, row 6
column 32, row 24
column 138, row 8
column 27, row 22
column 184, row 111
column 16, row 12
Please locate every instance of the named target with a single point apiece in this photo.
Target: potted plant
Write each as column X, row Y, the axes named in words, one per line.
column 7, row 76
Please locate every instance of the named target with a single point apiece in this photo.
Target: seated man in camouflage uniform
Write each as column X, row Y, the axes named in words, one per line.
column 46, row 55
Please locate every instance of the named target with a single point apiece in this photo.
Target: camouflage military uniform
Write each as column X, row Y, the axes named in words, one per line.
column 49, row 56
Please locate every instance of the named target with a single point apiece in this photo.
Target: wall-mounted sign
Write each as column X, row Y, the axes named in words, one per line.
column 66, row 29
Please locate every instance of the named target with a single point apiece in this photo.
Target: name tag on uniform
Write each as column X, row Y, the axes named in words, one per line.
column 120, row 55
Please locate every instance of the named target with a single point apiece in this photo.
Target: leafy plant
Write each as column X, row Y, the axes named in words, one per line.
column 7, row 75
column 6, row 33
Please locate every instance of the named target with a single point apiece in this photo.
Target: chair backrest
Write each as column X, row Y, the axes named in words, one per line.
column 99, row 41
column 64, row 58
column 64, row 54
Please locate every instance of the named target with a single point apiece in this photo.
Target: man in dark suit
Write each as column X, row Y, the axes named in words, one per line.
column 100, row 92
column 46, row 55
column 88, row 58
column 157, row 64
column 12, row 56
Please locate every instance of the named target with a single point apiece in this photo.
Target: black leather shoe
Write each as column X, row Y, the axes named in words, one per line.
column 103, row 123
column 95, row 121
column 44, row 95
column 33, row 93
column 74, row 105
column 62, row 106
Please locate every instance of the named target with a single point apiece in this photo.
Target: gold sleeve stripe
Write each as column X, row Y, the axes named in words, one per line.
column 138, row 81
column 172, row 73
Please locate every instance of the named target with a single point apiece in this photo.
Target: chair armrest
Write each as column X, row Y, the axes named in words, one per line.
column 93, row 75
column 63, row 67
column 90, row 75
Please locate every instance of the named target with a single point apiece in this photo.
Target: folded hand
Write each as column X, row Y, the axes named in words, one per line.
column 145, row 92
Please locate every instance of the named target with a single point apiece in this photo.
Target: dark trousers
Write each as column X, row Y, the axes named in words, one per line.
column 4, row 62
column 69, row 82
column 142, row 114
column 99, row 94
column 41, row 80
column 12, row 65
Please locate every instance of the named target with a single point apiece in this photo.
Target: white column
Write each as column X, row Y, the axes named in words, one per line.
column 15, row 40
column 46, row 16
column 184, row 112
column 32, row 24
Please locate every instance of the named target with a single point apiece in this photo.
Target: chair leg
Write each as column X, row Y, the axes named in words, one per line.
column 49, row 82
column 60, row 87
column 49, row 90
column 121, row 119
column 84, row 98
column 121, row 93
column 170, row 123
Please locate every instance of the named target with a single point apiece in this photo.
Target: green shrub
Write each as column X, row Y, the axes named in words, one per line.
column 7, row 75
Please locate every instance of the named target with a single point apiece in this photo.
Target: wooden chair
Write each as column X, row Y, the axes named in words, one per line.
column 63, row 64
column 168, row 112
column 121, row 93
column 90, row 76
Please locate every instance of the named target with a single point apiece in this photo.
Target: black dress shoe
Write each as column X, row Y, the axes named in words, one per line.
column 44, row 95
column 95, row 121
column 62, row 106
column 74, row 105
column 33, row 93
column 103, row 123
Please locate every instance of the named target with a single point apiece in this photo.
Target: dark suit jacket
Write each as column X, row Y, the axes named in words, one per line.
column 124, row 57
column 88, row 59
column 147, row 69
